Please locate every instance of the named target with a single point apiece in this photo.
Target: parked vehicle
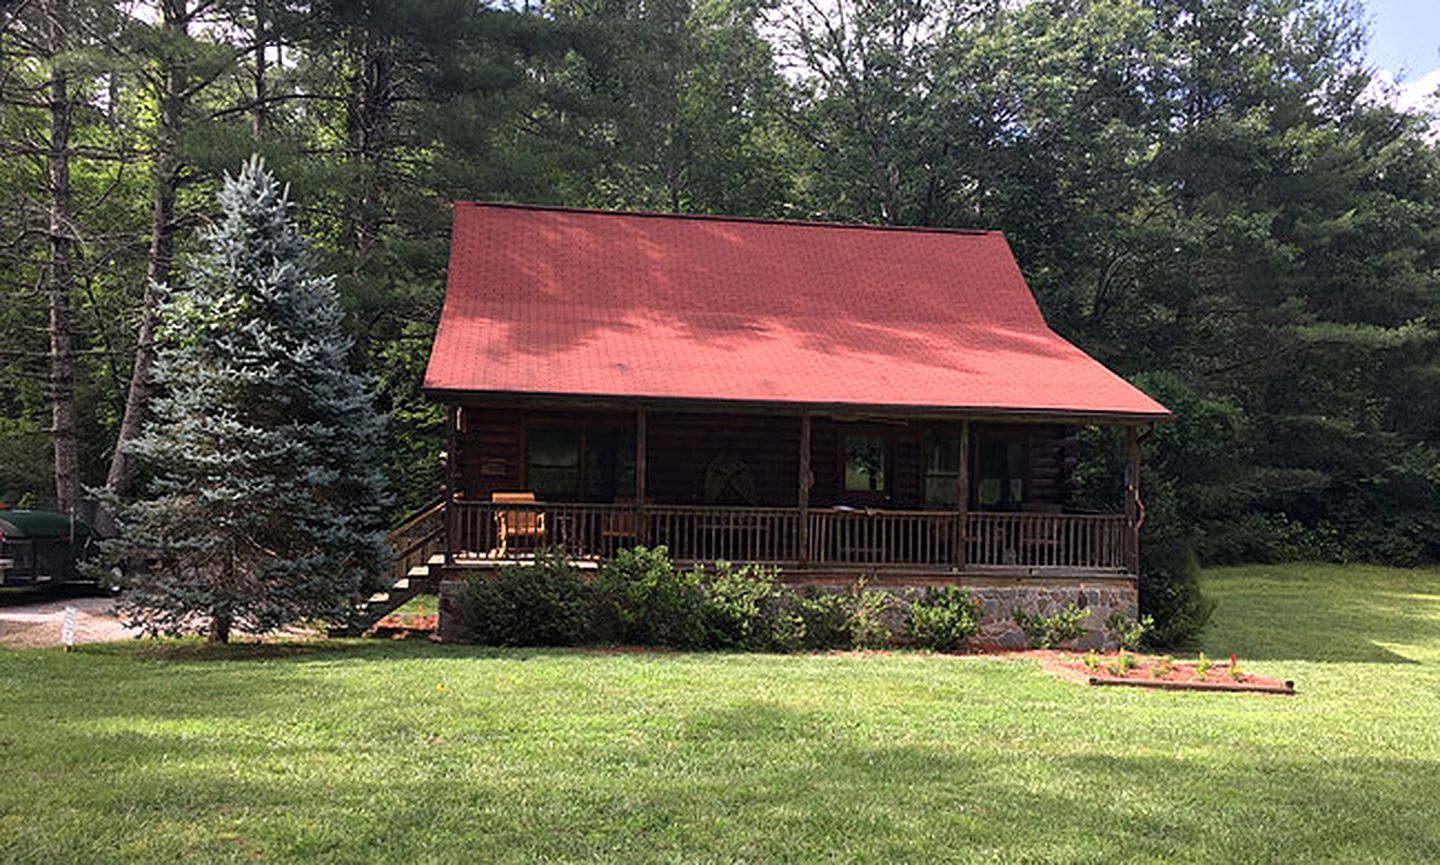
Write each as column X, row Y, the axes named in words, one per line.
column 42, row 548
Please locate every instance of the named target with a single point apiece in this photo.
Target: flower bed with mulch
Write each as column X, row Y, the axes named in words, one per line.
column 406, row 625
column 1149, row 672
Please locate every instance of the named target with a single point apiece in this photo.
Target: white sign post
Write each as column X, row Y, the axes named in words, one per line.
column 67, row 627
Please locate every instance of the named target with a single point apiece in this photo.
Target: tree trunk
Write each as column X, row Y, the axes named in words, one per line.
column 368, row 110
column 220, row 615
column 257, row 117
column 219, row 627
column 174, row 19
column 58, row 283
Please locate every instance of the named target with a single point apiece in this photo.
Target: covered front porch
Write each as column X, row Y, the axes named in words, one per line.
column 818, row 493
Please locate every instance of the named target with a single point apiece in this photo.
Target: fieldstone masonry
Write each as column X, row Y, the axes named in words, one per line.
column 1100, row 597
column 447, row 628
column 998, row 600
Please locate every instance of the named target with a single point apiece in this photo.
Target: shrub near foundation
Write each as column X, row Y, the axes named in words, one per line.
column 735, row 605
column 1049, row 632
column 823, row 618
column 943, row 619
column 541, row 604
column 651, row 603
column 868, row 612
column 638, row 598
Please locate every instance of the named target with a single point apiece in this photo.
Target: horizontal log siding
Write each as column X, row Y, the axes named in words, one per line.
column 683, row 446
column 490, row 453
column 490, row 445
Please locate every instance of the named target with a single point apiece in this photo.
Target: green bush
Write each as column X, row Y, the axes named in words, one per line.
column 785, row 628
column 1128, row 634
column 1052, row 631
column 944, row 619
column 649, row 602
column 1261, row 537
column 1170, row 595
column 735, row 605
column 809, row 619
column 826, row 615
column 868, row 610
column 543, row 604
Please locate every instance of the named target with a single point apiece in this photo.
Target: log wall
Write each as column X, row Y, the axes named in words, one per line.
column 686, row 448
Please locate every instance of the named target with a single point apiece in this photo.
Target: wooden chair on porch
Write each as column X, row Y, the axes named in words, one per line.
column 622, row 526
column 526, row 524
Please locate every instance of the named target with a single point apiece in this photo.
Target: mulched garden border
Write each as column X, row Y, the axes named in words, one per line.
column 1074, row 671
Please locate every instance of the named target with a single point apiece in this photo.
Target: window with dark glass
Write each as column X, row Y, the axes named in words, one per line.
column 552, row 463
column 942, row 471
column 1000, row 474
column 865, row 457
column 590, row 464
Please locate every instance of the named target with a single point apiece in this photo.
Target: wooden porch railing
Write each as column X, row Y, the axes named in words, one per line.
column 1096, row 543
column 1090, row 542
column 880, row 538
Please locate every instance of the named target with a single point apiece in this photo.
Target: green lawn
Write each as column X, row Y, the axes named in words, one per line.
column 406, row 752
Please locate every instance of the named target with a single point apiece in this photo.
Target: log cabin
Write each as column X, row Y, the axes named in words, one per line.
column 834, row 400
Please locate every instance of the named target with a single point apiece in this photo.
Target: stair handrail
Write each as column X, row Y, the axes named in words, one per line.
column 430, row 510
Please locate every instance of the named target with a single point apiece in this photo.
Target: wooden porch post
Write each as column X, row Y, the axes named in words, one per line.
column 804, row 494
column 962, row 501
column 1132, row 497
column 642, row 528
column 448, row 514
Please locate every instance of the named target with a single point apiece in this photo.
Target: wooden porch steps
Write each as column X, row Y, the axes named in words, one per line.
column 418, row 542
column 419, row 580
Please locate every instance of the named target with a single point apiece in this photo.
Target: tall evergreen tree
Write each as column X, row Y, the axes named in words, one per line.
column 267, row 496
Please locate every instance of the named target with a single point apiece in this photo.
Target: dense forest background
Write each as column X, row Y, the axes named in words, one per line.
column 1208, row 195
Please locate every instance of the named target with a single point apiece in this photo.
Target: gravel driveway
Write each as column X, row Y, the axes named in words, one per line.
column 38, row 624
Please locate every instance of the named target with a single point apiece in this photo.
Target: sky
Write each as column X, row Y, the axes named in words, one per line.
column 1405, row 48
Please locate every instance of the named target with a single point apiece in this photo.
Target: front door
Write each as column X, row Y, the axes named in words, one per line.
column 865, row 466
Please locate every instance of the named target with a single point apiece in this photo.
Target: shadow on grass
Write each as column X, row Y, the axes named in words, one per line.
column 187, row 650
column 1299, row 612
column 735, row 792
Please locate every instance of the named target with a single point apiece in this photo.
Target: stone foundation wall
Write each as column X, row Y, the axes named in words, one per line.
column 998, row 599
column 1100, row 597
column 447, row 628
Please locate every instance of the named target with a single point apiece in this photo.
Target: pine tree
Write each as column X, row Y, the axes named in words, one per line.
column 266, row 499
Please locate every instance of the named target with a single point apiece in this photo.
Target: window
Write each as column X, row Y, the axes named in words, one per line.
column 609, row 463
column 590, row 464
column 552, row 463
column 1000, row 475
column 865, row 458
column 942, row 471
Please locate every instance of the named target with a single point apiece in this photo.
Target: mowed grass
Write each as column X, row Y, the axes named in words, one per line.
column 408, row 752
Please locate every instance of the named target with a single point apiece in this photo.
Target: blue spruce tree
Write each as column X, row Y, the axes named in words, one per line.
column 265, row 501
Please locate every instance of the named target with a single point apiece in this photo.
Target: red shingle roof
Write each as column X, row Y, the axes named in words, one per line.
column 600, row 304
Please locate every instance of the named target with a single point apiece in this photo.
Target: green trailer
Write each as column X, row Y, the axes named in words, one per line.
column 42, row 547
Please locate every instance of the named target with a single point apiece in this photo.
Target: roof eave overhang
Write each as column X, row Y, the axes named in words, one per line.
column 518, row 400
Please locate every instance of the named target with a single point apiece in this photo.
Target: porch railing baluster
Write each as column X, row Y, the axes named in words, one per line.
column 1098, row 543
